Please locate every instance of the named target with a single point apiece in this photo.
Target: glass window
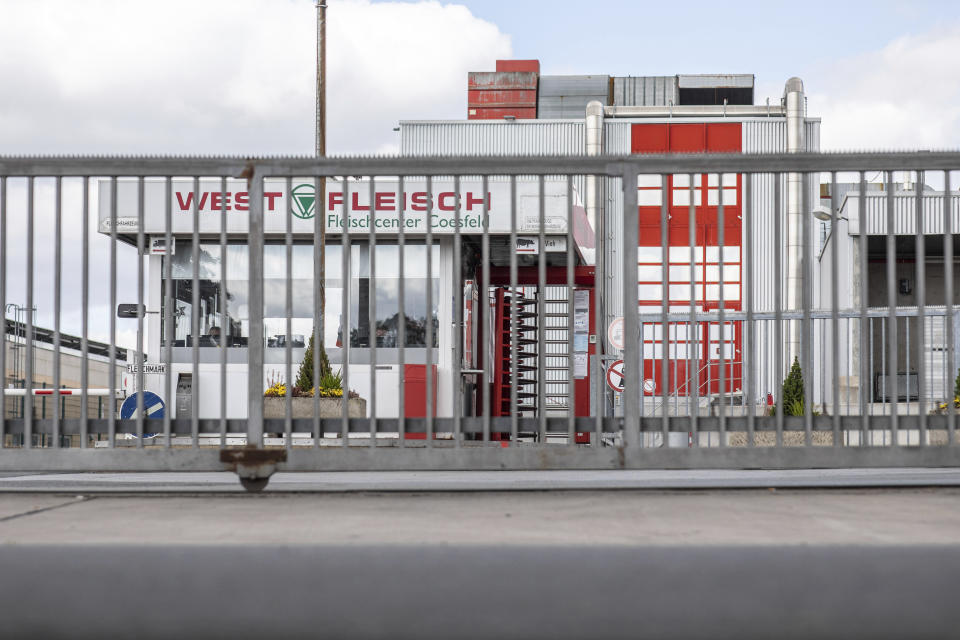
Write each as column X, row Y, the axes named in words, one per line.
column 386, row 301
column 230, row 326
column 216, row 326
column 301, row 292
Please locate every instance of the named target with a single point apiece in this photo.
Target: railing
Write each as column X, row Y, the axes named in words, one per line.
column 228, row 295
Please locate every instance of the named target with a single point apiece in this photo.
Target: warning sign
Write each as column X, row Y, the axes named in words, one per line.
column 615, row 378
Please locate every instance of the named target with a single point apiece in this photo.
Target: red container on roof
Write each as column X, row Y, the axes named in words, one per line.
column 502, row 98
column 519, row 65
column 505, row 80
column 511, row 90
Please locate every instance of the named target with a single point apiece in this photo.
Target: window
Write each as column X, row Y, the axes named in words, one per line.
column 226, row 322
column 386, row 302
column 215, row 325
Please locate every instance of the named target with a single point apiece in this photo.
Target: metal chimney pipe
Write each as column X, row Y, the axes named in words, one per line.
column 594, row 147
column 794, row 104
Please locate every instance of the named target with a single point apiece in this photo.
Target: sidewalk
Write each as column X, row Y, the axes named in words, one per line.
column 482, row 480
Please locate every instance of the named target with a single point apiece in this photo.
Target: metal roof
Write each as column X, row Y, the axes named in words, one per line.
column 18, row 330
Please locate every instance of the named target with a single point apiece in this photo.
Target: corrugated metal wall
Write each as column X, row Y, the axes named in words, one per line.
column 477, row 138
column 655, row 91
column 765, row 136
column 770, row 136
column 567, row 96
column 904, row 213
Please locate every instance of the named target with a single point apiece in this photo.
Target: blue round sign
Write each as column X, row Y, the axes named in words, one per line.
column 153, row 406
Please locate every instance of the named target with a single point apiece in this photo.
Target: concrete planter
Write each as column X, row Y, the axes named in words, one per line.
column 303, row 407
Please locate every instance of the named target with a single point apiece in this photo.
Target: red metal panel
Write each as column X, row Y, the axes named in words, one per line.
column 502, row 98
column 687, row 138
column 415, row 391
column 529, row 276
column 648, row 138
column 518, row 65
column 724, row 137
column 485, row 113
column 495, row 80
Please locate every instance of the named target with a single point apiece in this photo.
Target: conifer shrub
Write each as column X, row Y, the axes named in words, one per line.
column 792, row 396
column 305, row 375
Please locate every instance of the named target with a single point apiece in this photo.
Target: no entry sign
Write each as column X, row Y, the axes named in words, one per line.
column 615, row 378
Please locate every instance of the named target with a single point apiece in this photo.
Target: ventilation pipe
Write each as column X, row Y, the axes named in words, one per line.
column 794, row 103
column 594, row 147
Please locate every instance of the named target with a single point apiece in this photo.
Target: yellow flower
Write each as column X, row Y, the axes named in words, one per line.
column 277, row 390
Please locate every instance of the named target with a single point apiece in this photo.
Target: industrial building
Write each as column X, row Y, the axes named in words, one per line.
column 590, row 115
column 43, row 357
column 514, row 111
column 860, row 237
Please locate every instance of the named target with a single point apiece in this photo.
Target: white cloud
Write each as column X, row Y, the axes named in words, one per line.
column 903, row 96
column 211, row 77
column 235, row 76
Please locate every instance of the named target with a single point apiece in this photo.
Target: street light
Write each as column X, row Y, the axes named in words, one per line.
column 823, row 213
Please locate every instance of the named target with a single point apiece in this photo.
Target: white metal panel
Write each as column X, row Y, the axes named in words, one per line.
column 904, row 211
column 492, row 137
column 938, row 385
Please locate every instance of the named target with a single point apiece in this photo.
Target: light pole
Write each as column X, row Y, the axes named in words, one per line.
column 319, row 207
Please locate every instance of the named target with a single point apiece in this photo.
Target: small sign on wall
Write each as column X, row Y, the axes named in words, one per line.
column 530, row 245
column 158, row 246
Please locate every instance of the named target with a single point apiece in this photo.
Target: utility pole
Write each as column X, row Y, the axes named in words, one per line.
column 321, row 151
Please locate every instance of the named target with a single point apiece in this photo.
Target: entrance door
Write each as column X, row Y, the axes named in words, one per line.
column 554, row 367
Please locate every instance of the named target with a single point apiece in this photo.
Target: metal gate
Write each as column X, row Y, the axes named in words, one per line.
column 239, row 241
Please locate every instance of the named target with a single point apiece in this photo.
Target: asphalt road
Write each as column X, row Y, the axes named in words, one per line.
column 705, row 554
column 480, row 592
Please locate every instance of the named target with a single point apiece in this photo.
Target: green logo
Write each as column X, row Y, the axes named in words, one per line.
column 304, row 201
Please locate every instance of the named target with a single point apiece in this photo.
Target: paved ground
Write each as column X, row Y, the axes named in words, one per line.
column 483, row 480
column 479, row 592
column 591, row 563
column 601, row 518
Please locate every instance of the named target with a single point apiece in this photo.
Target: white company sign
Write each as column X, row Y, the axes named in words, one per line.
column 382, row 208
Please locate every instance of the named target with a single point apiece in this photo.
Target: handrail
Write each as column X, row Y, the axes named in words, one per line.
column 676, row 392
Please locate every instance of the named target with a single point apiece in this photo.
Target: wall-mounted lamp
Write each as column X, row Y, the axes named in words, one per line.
column 823, row 213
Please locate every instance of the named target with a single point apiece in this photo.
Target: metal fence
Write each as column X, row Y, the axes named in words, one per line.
column 705, row 393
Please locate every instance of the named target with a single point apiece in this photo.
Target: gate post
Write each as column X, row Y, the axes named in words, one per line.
column 255, row 338
column 631, row 330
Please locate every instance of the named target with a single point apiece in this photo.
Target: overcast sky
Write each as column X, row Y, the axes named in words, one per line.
column 237, row 76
